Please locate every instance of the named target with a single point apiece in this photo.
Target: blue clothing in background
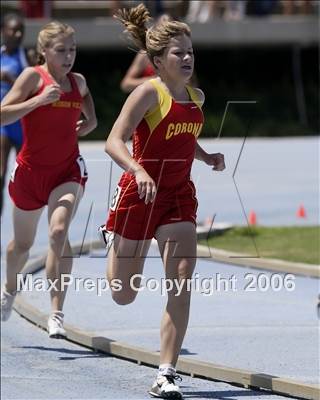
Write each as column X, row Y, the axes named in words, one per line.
column 13, row 64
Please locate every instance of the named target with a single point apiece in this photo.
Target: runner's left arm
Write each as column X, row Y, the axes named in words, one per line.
column 84, row 126
column 216, row 159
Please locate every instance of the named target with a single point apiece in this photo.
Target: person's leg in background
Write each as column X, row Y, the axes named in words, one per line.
column 24, row 227
column 10, row 136
column 62, row 205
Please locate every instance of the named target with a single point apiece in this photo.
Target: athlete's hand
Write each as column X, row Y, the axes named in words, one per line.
column 146, row 186
column 81, row 127
column 50, row 94
column 217, row 160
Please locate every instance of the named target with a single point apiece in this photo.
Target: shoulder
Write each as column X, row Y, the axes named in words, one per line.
column 145, row 93
column 201, row 96
column 29, row 75
column 140, row 101
column 30, row 71
column 81, row 82
column 26, row 85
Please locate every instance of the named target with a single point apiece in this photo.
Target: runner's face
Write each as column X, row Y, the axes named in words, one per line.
column 61, row 54
column 13, row 33
column 178, row 58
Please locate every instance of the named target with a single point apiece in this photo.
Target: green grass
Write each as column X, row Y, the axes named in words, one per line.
column 298, row 244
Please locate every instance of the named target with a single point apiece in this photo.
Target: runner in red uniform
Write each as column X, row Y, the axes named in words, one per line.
column 155, row 196
column 43, row 164
column 164, row 145
column 139, row 71
column 49, row 170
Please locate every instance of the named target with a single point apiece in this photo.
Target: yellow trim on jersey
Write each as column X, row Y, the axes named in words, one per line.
column 194, row 96
column 157, row 114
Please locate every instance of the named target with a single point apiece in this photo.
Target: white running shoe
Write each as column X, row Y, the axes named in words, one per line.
column 7, row 300
column 106, row 237
column 55, row 325
column 164, row 387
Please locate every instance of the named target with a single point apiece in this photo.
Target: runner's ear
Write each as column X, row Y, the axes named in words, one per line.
column 157, row 61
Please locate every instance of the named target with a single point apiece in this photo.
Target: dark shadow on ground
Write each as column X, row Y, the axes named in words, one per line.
column 80, row 353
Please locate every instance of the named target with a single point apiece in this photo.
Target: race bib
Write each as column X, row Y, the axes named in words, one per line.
column 83, row 167
column 115, row 198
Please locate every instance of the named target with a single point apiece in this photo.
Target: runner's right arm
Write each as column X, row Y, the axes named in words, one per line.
column 142, row 99
column 19, row 101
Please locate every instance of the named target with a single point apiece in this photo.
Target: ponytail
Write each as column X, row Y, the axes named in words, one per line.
column 154, row 39
column 135, row 20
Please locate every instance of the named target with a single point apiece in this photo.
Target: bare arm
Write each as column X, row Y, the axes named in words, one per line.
column 18, row 101
column 90, row 122
column 215, row 159
column 201, row 154
column 133, row 77
column 138, row 103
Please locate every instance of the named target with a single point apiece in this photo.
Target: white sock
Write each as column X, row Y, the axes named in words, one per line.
column 166, row 369
column 58, row 313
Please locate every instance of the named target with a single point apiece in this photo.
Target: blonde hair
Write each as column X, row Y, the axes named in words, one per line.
column 155, row 39
column 49, row 32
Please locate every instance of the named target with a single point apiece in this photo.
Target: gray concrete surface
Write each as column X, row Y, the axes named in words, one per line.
column 34, row 367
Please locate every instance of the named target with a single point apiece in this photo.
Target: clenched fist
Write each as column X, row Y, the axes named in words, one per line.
column 50, row 94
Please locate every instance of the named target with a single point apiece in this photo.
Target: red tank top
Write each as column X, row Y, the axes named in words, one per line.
column 49, row 132
column 165, row 140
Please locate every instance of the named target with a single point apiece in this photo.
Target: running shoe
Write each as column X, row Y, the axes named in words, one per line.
column 55, row 326
column 106, row 236
column 7, row 300
column 164, row 387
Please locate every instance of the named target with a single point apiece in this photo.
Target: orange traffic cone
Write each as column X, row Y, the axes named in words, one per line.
column 252, row 218
column 301, row 212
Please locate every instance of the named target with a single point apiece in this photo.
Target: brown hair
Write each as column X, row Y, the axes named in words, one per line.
column 154, row 39
column 49, row 32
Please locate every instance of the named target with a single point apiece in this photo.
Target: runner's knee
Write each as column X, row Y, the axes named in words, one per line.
column 20, row 245
column 57, row 235
column 123, row 297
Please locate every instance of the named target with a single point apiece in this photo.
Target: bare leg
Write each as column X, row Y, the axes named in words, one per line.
column 62, row 205
column 177, row 244
column 25, row 228
column 126, row 258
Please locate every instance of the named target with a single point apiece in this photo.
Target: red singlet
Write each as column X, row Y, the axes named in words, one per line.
column 49, row 132
column 164, row 144
column 50, row 155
